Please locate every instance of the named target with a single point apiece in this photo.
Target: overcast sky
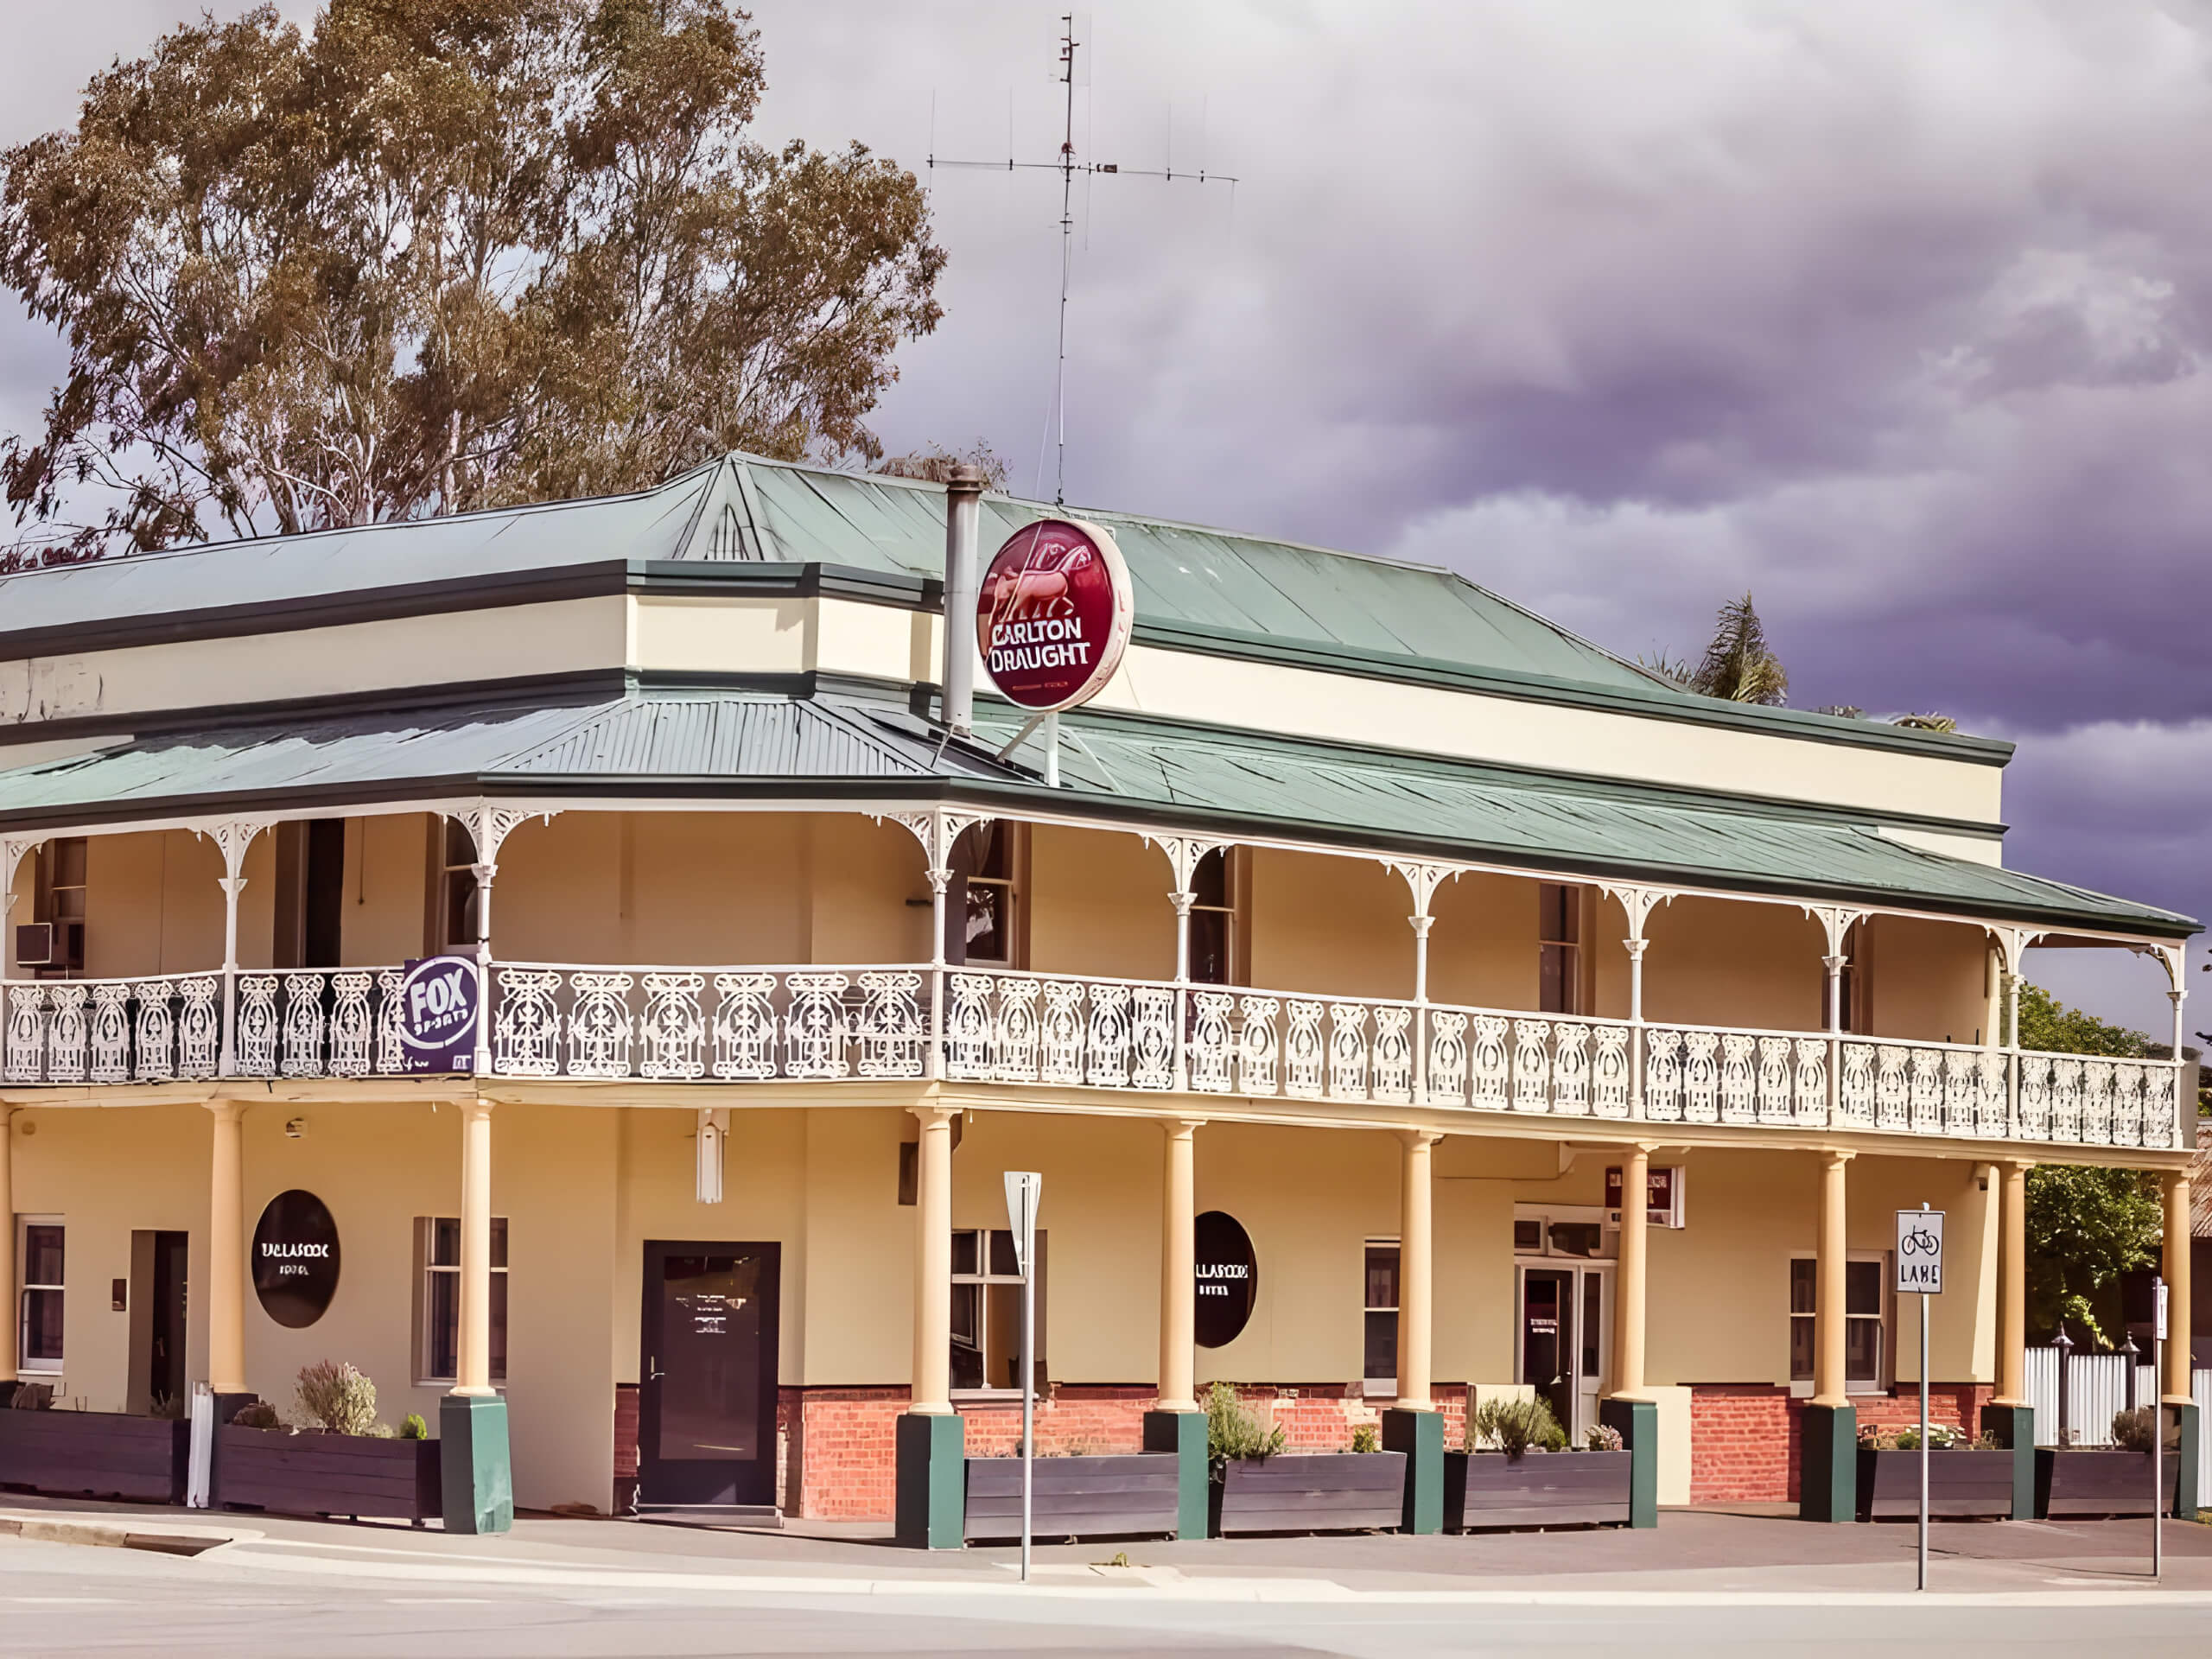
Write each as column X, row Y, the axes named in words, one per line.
column 1895, row 316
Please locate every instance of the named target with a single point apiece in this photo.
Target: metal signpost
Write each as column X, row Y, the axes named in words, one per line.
column 1920, row 1273
column 2157, row 1428
column 1023, row 1189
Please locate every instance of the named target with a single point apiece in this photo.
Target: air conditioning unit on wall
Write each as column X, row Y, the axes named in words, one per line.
column 51, row 945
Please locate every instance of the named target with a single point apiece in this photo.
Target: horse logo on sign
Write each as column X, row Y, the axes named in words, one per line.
column 1053, row 614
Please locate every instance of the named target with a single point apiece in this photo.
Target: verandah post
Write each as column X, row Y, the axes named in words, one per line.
column 475, row 1470
column 929, row 1499
column 1827, row 1477
column 1175, row 1424
column 1413, row 1426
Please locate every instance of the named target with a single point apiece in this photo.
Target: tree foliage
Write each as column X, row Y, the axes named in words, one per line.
column 437, row 255
column 934, row 463
column 2085, row 1227
column 1739, row 665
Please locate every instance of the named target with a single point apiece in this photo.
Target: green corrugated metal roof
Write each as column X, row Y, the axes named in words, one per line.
column 745, row 509
column 732, row 741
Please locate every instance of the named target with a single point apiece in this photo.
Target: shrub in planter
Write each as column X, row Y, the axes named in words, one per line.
column 2093, row 1480
column 1367, row 1437
column 1257, row 1486
column 1516, row 1471
column 1970, row 1480
column 347, row 1464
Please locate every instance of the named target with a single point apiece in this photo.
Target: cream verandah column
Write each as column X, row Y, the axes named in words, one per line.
column 473, row 1366
column 2011, row 1284
column 1178, row 1270
column 1416, row 1298
column 228, row 1269
column 2175, row 1268
column 930, row 1498
column 1628, row 1292
column 1828, row 1477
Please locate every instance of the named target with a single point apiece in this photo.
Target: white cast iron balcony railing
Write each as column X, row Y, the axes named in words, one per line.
column 162, row 1027
column 816, row 1023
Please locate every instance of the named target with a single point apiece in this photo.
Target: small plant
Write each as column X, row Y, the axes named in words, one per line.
column 1514, row 1425
column 1366, row 1437
column 256, row 1413
column 338, row 1398
column 2136, row 1430
column 1118, row 1558
column 1601, row 1437
column 1233, row 1432
column 33, row 1397
column 169, row 1407
column 1939, row 1438
column 414, row 1428
column 1988, row 1441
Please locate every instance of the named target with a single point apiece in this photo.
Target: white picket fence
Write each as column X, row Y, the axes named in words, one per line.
column 2096, row 1387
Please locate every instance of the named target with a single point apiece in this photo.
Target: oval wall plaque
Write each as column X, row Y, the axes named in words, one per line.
column 1228, row 1278
column 295, row 1258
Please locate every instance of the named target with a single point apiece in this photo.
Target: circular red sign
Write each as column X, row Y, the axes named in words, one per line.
column 1053, row 614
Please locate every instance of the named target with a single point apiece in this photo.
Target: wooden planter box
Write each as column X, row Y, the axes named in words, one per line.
column 1075, row 1497
column 1327, row 1491
column 95, row 1454
column 325, row 1474
column 1962, row 1484
column 1537, row 1489
column 2089, row 1481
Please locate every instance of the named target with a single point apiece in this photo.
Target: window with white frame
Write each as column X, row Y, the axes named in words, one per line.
column 456, row 895
column 38, row 1248
column 1214, row 922
column 1559, row 934
column 1577, row 1230
column 984, row 909
column 1381, row 1368
column 987, row 1311
column 1865, row 1334
column 437, row 1324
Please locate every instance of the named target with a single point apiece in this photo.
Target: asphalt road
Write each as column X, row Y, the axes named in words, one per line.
column 67, row 1600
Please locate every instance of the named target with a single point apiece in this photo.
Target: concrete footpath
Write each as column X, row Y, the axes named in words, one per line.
column 1747, row 1556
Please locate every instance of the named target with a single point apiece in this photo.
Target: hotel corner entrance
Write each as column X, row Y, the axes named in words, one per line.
column 706, row 1383
column 1563, row 1270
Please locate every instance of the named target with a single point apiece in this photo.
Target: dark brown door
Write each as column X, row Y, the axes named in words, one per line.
column 165, row 1356
column 1547, row 1340
column 707, row 1390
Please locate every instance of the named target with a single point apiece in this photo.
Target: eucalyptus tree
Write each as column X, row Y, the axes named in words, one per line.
column 435, row 255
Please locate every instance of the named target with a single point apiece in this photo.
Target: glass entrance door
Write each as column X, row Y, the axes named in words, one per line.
column 707, row 1390
column 1566, row 1340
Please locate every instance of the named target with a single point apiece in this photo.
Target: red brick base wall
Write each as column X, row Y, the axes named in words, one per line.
column 1745, row 1437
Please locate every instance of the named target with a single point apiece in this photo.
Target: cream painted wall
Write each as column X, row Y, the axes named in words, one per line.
column 1277, row 698
column 558, row 637
column 1719, row 961
column 387, row 877
column 151, row 904
column 1481, row 949
column 1321, row 923
column 1099, row 905
column 1719, row 1308
column 1927, row 980
column 855, row 1264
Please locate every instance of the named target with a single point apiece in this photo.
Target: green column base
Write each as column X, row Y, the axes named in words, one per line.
column 1183, row 1432
column 2186, row 1496
column 2015, row 1427
column 931, row 1505
column 476, row 1478
column 1638, row 1422
column 1420, row 1435
column 1827, row 1464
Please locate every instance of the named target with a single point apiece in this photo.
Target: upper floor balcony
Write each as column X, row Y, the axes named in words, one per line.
column 643, row 950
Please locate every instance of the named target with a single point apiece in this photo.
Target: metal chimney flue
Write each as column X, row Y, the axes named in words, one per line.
column 964, row 511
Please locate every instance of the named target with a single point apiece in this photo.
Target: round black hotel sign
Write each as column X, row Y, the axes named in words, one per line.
column 1228, row 1278
column 295, row 1258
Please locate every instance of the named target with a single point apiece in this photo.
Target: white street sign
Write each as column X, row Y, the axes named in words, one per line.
column 1920, row 1252
column 1023, row 1189
column 2162, row 1310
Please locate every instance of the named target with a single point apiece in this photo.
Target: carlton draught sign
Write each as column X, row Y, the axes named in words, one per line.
column 1053, row 614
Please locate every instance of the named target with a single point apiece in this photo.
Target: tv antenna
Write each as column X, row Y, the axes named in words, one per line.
column 1068, row 166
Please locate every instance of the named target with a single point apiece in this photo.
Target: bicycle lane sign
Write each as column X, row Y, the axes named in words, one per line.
column 1920, row 1252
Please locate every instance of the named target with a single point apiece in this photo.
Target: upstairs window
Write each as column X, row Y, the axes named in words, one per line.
column 983, row 919
column 1215, row 925
column 58, row 900
column 1559, row 932
column 454, row 896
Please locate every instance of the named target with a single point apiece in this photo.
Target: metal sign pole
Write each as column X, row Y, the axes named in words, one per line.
column 1923, row 1444
column 1919, row 1272
column 1023, row 1191
column 2158, row 1427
